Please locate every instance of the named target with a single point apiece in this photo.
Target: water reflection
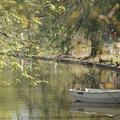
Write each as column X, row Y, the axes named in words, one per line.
column 118, row 80
column 48, row 101
column 114, row 79
column 95, row 108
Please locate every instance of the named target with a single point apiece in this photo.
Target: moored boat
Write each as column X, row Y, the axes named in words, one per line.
column 96, row 95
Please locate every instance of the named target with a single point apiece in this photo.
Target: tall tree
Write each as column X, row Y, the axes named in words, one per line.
column 98, row 19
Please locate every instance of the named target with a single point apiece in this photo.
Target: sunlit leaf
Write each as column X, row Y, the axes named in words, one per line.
column 33, row 83
column 2, row 64
column 117, row 5
column 15, row 65
column 51, row 6
column 62, row 7
column 38, row 81
column 18, row 80
column 45, row 81
column 27, row 76
column 17, row 18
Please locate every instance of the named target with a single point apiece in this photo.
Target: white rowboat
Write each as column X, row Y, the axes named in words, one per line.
column 96, row 95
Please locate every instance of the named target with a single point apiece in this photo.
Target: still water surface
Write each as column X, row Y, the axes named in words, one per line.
column 51, row 101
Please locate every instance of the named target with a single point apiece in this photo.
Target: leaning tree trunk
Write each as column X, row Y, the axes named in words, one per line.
column 96, row 47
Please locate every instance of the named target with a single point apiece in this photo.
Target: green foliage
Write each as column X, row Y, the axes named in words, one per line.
column 16, row 18
column 15, row 65
column 34, row 83
column 32, row 27
column 2, row 64
column 28, row 77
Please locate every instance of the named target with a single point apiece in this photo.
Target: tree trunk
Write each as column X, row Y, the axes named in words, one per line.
column 96, row 47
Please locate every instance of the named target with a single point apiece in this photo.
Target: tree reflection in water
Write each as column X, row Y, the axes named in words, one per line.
column 118, row 80
column 48, row 100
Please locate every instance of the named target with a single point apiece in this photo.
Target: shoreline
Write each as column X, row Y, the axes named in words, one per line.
column 100, row 65
column 71, row 60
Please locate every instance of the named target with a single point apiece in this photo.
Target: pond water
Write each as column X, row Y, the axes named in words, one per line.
column 50, row 100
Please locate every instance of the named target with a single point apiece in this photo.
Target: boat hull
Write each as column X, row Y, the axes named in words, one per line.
column 96, row 95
